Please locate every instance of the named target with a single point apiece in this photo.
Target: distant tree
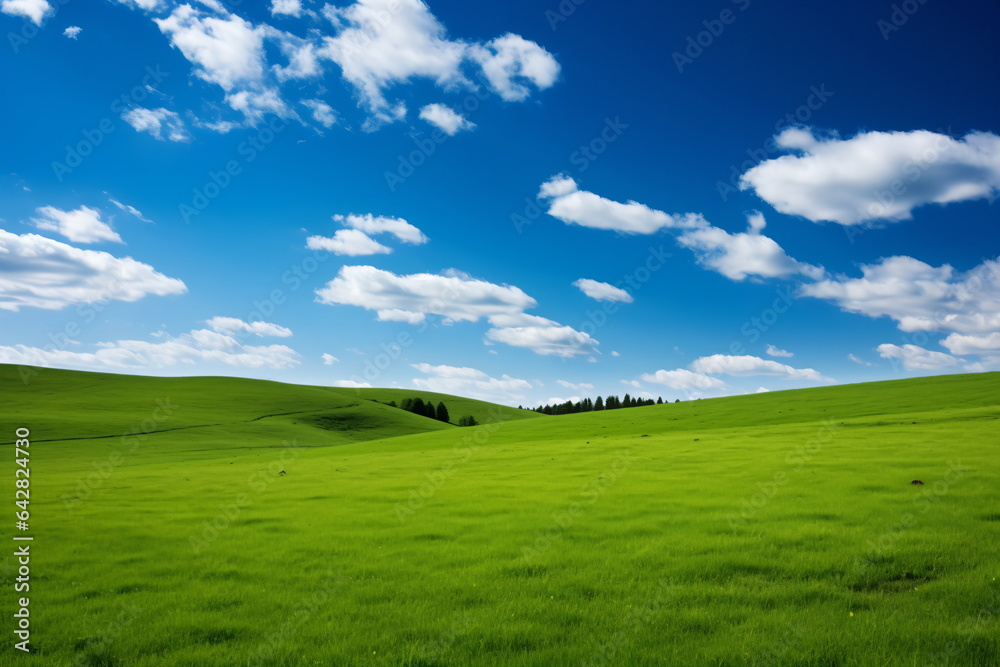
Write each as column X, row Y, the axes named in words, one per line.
column 468, row 420
column 429, row 410
column 677, row 400
column 391, row 404
column 407, row 404
column 442, row 413
column 599, row 404
column 418, row 406
column 659, row 400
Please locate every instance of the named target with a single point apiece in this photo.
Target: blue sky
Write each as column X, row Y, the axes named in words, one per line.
column 520, row 201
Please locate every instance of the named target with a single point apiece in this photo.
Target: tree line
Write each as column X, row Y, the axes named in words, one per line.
column 419, row 406
column 588, row 405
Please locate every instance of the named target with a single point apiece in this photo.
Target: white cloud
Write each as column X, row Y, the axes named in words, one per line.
column 744, row 254
column 329, row 359
column 446, row 119
column 575, row 206
column 82, row 225
column 349, row 242
column 875, row 175
column 582, row 386
column 384, row 42
column 510, row 61
column 915, row 357
column 614, row 353
column 231, row 326
column 762, row 390
column 920, row 297
column 33, row 10
column 452, row 297
column 197, row 347
column 302, row 56
column 371, row 224
column 228, row 51
column 546, row 340
column 861, row 362
column 286, row 7
column 773, row 351
column 456, row 297
column 960, row 344
column 470, row 382
column 73, row 31
column 322, row 112
column 632, row 383
column 683, row 379
column 155, row 121
column 145, row 5
column 351, row 384
column 128, row 209
column 748, row 366
column 38, row 272
column 602, row 291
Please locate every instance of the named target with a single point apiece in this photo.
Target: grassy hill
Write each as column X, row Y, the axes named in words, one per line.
column 773, row 529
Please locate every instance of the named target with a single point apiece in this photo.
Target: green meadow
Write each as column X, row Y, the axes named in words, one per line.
column 221, row 521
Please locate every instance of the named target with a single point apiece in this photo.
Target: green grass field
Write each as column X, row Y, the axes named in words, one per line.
column 772, row 529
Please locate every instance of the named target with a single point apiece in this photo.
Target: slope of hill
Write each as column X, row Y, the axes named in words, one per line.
column 774, row 529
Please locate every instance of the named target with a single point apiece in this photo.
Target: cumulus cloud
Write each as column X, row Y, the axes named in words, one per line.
column 875, row 175
column 914, row 357
column 157, row 122
column 350, row 242
column 33, row 10
column 73, row 31
column 748, row 366
column 445, row 119
column 384, row 42
column 602, row 291
column 919, row 297
column 38, row 272
column 470, row 382
column 228, row 51
column 286, row 7
column 509, row 62
column 547, row 340
column 198, row 347
column 683, row 379
column 322, row 112
column 744, row 254
column 232, row 326
column 574, row 206
column 455, row 298
column 82, row 225
column 329, row 359
column 374, row 225
column 773, row 351
column 962, row 344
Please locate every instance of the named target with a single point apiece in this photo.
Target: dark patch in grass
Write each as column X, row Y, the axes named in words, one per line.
column 526, row 571
column 872, row 488
column 215, row 635
column 430, row 537
column 889, row 582
column 125, row 590
column 990, row 517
